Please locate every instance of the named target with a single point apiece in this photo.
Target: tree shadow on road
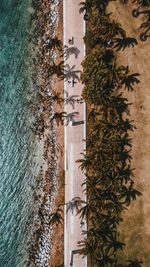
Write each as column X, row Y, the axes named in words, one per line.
column 71, row 73
column 68, row 51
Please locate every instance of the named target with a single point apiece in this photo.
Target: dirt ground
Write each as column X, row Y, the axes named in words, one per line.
column 135, row 230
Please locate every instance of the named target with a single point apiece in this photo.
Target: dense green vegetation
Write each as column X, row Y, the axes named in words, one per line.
column 109, row 183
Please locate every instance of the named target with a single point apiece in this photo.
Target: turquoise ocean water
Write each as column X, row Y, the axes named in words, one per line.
column 16, row 139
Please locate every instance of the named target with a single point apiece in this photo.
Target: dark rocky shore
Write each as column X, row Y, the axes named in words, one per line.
column 44, row 24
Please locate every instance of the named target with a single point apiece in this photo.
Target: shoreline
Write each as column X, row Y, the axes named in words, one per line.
column 45, row 129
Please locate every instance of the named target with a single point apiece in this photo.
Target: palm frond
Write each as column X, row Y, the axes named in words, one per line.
column 54, row 43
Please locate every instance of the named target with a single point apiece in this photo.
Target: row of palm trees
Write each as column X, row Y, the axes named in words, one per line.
column 109, row 182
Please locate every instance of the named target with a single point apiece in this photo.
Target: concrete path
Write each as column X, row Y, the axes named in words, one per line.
column 74, row 31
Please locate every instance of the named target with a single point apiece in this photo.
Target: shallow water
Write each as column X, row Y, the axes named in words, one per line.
column 16, row 139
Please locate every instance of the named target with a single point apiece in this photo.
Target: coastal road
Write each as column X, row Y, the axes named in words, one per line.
column 75, row 131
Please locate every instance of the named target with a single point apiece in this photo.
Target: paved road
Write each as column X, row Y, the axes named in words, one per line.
column 74, row 29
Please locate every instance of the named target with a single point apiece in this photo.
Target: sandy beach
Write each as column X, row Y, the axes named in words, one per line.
column 46, row 26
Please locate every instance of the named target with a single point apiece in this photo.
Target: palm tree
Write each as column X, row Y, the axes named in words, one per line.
column 56, row 69
column 92, row 185
column 93, row 115
column 106, row 29
column 125, row 173
column 85, row 6
column 85, row 162
column 56, row 97
column 115, row 74
column 54, row 43
column 90, row 39
column 115, row 245
column 87, row 210
column 87, row 247
column 108, row 56
column 94, row 247
column 120, row 105
column 59, row 117
column 56, row 217
column 105, row 261
column 88, row 4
